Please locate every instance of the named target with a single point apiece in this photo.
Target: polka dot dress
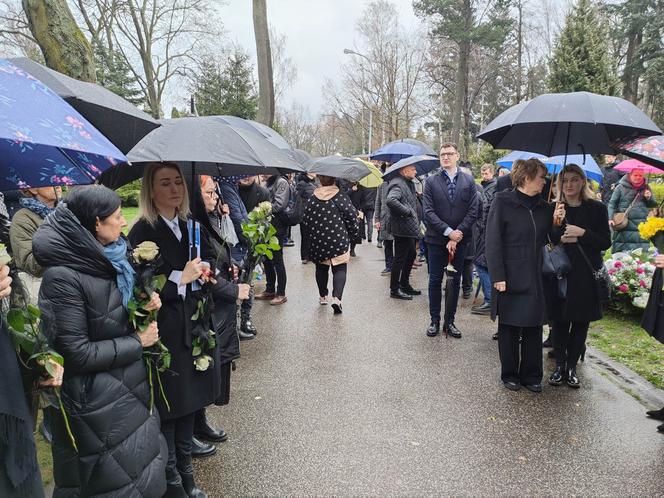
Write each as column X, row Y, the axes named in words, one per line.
column 332, row 225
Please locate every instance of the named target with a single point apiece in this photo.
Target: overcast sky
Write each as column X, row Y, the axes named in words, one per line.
column 316, row 32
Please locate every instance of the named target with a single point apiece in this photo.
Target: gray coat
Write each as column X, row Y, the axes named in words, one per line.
column 382, row 214
column 402, row 204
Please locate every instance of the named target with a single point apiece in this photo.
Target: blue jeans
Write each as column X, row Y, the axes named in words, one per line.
column 438, row 259
column 485, row 282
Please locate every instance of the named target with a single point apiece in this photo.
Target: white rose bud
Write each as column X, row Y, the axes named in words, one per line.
column 146, row 251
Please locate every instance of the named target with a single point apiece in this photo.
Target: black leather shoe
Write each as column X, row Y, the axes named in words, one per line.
column 399, row 294
column 660, row 428
column 512, row 386
column 190, row 487
column 572, row 379
column 558, row 376
column 411, row 292
column 199, row 449
column 482, row 309
column 434, row 329
column 656, row 414
column 207, row 433
column 248, row 327
column 245, row 336
column 534, row 388
column 453, row 331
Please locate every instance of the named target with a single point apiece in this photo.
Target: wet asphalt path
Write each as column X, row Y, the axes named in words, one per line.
column 365, row 404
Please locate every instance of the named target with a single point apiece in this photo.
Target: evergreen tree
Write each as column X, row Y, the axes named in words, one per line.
column 237, row 87
column 114, row 73
column 581, row 60
column 207, row 89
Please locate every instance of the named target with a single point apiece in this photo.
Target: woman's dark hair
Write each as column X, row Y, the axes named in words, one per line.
column 326, row 181
column 91, row 202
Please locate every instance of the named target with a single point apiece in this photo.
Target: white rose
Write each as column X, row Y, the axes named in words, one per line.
column 202, row 363
column 146, row 251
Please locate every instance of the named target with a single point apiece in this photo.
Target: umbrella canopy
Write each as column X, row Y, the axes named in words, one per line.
column 650, row 150
column 632, row 164
column 255, row 127
column 43, row 140
column 374, row 179
column 345, row 168
column 301, row 156
column 515, row 155
column 586, row 163
column 207, row 143
column 120, row 121
column 424, row 165
column 568, row 123
column 399, row 149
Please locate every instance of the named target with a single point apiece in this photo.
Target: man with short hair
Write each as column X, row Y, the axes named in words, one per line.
column 451, row 208
column 610, row 178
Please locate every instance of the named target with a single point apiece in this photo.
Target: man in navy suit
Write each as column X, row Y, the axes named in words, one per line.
column 451, row 206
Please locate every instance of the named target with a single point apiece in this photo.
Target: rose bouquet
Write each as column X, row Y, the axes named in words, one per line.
column 203, row 337
column 145, row 260
column 262, row 238
column 631, row 276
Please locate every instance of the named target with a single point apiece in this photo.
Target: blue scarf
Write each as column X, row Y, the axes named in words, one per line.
column 37, row 207
column 116, row 253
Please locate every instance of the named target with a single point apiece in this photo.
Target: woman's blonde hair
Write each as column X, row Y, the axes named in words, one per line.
column 586, row 192
column 146, row 208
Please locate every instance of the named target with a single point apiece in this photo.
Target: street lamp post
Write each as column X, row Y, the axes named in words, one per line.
column 352, row 52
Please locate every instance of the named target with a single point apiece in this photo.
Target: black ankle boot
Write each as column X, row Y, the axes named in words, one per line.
column 558, row 376
column 434, row 329
column 656, row 414
column 203, row 430
column 572, row 379
column 174, row 487
column 190, row 487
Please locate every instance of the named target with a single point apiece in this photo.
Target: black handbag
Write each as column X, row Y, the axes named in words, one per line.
column 555, row 262
column 601, row 277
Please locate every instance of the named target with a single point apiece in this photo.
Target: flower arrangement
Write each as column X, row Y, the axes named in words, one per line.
column 146, row 261
column 631, row 276
column 653, row 230
column 261, row 235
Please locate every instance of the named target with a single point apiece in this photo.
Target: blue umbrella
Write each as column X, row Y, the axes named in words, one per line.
column 423, row 163
column 400, row 149
column 515, row 155
column 587, row 164
column 43, row 140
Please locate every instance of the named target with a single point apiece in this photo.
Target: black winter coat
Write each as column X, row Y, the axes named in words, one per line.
column 105, row 390
column 582, row 303
column 516, row 231
column 187, row 389
column 382, row 213
column 402, row 203
column 369, row 199
column 253, row 195
column 305, row 187
column 332, row 225
column 653, row 316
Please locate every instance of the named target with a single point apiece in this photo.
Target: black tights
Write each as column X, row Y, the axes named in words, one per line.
column 338, row 279
column 569, row 340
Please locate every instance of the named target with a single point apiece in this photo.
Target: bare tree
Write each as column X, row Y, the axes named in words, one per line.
column 264, row 64
column 284, row 71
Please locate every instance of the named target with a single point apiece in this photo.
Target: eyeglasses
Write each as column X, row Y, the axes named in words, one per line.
column 211, row 193
column 447, row 154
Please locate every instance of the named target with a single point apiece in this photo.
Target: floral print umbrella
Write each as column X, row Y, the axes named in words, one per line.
column 43, row 140
column 650, row 150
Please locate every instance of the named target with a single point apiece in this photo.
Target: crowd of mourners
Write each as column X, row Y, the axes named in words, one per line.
column 74, row 257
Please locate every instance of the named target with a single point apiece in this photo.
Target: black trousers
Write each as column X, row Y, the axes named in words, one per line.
column 338, row 279
column 275, row 273
column 467, row 277
column 569, row 339
column 368, row 221
column 178, row 433
column 388, row 247
column 305, row 242
column 520, row 364
column 404, row 257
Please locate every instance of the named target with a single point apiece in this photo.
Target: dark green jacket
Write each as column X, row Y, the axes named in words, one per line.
column 623, row 195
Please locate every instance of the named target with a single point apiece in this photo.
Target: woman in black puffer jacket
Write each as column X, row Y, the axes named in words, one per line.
column 105, row 391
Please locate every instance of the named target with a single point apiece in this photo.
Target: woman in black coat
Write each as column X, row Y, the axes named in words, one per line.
column 331, row 220
column 204, row 207
column 163, row 211
column 517, row 228
column 585, row 235
column 83, row 298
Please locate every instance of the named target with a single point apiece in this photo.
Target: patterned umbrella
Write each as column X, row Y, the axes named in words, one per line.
column 650, row 150
column 43, row 140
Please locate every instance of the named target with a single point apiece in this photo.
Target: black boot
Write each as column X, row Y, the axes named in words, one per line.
column 199, row 449
column 203, row 430
column 190, row 488
column 656, row 414
column 558, row 376
column 434, row 329
column 572, row 379
column 246, row 325
column 174, row 487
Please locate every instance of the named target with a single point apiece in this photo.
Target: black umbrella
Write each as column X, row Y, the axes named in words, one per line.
column 449, row 293
column 118, row 120
column 568, row 123
column 202, row 145
column 423, row 163
column 345, row 168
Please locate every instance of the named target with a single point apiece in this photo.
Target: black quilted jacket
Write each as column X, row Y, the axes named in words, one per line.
column 121, row 451
column 402, row 203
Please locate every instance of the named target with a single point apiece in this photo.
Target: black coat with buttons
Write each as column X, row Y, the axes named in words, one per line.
column 402, row 204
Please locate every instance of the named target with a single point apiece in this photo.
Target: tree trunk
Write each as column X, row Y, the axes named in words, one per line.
column 630, row 76
column 519, row 53
column 462, row 76
column 64, row 46
column 264, row 64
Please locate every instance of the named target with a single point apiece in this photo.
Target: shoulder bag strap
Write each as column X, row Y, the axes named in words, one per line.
column 587, row 260
column 631, row 205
